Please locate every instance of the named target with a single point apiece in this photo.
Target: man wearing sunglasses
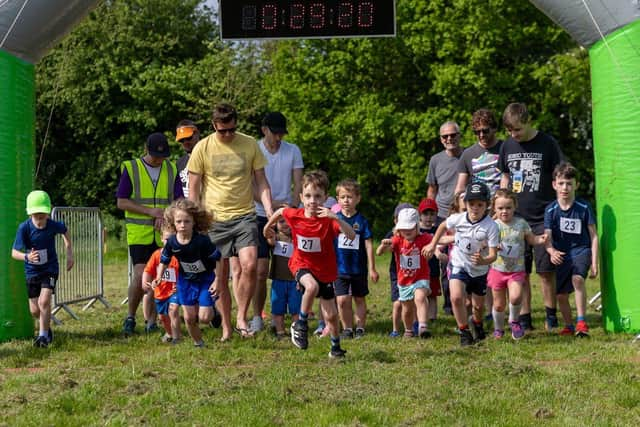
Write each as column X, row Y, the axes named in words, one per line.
column 222, row 170
column 480, row 161
column 443, row 169
column 188, row 135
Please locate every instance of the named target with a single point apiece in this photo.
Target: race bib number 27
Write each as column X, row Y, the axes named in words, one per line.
column 309, row 244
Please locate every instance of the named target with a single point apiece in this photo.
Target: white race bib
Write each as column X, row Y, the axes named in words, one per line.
column 510, row 250
column 193, row 267
column 169, row 275
column 284, row 249
column 43, row 257
column 570, row 225
column 345, row 243
column 409, row 262
column 467, row 246
column 309, row 244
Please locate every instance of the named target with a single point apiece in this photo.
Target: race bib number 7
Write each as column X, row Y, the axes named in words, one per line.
column 509, row 250
column 309, row 244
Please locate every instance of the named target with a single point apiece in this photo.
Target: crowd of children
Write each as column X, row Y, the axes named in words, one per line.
column 319, row 252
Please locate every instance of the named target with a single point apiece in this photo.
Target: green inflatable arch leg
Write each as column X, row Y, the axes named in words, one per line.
column 615, row 62
column 17, row 118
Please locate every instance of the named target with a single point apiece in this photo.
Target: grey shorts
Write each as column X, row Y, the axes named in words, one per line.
column 232, row 235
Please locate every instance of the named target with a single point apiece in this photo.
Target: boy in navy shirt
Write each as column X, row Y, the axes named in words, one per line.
column 353, row 256
column 572, row 245
column 36, row 237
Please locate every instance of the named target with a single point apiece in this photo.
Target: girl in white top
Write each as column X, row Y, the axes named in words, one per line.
column 508, row 270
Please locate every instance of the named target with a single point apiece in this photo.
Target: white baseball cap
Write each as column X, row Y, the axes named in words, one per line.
column 408, row 219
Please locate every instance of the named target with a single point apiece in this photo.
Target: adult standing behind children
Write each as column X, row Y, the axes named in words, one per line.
column 284, row 168
column 443, row 169
column 147, row 186
column 221, row 170
column 480, row 161
column 188, row 135
column 527, row 160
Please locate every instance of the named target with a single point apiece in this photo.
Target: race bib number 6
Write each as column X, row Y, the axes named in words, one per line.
column 345, row 243
column 309, row 244
column 410, row 262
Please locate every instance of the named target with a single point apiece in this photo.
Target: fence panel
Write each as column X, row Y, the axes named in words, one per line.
column 85, row 280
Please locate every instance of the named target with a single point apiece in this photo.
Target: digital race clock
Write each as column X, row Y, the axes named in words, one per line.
column 278, row 19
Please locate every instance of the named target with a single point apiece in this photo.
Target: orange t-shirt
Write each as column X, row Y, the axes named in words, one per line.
column 167, row 286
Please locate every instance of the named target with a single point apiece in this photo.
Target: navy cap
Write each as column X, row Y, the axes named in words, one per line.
column 477, row 191
column 157, row 145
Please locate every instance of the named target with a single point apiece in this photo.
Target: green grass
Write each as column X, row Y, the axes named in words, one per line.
column 93, row 376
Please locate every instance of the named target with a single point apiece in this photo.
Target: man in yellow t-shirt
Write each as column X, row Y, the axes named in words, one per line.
column 222, row 169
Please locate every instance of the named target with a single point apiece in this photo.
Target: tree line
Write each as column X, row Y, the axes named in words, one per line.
column 367, row 108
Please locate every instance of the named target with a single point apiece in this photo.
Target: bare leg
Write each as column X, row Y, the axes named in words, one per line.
column 581, row 295
column 246, row 283
column 361, row 311
column 396, row 315
column 135, row 292
column 260, row 295
column 224, row 300
column 458, row 299
column 547, row 280
column 174, row 315
column 526, row 295
column 205, row 314
column 191, row 320
column 44, row 304
column 330, row 315
column 565, row 308
column 345, row 310
column 408, row 314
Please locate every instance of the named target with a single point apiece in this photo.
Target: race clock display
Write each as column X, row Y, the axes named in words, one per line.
column 281, row 19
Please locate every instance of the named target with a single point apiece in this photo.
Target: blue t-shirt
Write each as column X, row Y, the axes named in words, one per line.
column 197, row 258
column 42, row 240
column 569, row 229
column 393, row 271
column 351, row 255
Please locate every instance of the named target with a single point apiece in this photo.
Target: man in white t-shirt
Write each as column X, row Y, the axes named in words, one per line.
column 284, row 173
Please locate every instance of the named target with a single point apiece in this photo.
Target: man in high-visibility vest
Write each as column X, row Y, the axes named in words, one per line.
column 147, row 186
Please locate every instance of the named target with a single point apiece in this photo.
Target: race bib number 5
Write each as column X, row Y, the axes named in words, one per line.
column 284, row 249
column 309, row 244
column 570, row 225
column 345, row 243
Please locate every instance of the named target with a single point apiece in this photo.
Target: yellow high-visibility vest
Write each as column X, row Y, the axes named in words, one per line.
column 140, row 230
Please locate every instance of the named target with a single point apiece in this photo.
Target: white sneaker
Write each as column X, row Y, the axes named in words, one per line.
column 256, row 324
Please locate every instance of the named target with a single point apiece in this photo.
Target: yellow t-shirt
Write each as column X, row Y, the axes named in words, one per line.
column 226, row 170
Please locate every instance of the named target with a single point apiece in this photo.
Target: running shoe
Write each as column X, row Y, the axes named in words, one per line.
column 582, row 329
column 347, row 334
column 337, row 353
column 129, row 326
column 516, row 330
column 478, row 332
column 466, row 339
column 498, row 334
column 41, row 342
column 567, row 330
column 359, row 333
column 299, row 331
column 319, row 329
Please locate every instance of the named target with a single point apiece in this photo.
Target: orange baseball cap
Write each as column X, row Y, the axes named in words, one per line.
column 184, row 132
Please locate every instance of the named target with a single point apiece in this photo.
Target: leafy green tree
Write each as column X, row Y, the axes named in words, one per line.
column 133, row 67
column 371, row 108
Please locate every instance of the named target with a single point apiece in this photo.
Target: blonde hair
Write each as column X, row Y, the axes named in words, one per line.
column 505, row 194
column 202, row 219
column 455, row 205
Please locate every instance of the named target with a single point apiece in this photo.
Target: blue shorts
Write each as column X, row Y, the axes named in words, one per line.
column 473, row 285
column 284, row 294
column 191, row 292
column 357, row 286
column 395, row 293
column 162, row 305
column 407, row 292
column 576, row 266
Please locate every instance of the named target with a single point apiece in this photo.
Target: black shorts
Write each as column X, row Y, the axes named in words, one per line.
column 576, row 266
column 325, row 291
column 140, row 254
column 263, row 245
column 356, row 286
column 542, row 258
column 45, row 280
column 472, row 285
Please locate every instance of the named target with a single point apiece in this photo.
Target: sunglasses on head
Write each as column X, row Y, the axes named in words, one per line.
column 482, row 131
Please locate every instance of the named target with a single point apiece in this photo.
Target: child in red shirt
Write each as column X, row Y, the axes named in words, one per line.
column 313, row 263
column 413, row 270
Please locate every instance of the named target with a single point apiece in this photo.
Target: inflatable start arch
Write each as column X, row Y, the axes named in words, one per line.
column 611, row 31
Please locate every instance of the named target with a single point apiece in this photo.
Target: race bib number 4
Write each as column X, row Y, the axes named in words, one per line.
column 193, row 267
column 570, row 225
column 345, row 243
column 410, row 262
column 309, row 244
column 467, row 246
column 284, row 249
column 169, row 275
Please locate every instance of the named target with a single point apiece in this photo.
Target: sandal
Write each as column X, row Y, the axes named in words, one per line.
column 244, row 333
column 408, row 334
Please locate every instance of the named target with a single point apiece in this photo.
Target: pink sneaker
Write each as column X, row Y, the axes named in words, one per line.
column 498, row 334
column 517, row 331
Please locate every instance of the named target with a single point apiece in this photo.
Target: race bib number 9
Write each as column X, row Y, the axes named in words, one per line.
column 345, row 243
column 193, row 267
column 409, row 262
column 284, row 249
column 570, row 225
column 169, row 275
column 309, row 244
column 511, row 250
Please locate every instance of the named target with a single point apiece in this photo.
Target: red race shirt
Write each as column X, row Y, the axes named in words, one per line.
column 411, row 265
column 313, row 244
column 167, row 286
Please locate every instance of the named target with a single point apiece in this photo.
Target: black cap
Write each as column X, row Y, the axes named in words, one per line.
column 276, row 122
column 477, row 191
column 157, row 145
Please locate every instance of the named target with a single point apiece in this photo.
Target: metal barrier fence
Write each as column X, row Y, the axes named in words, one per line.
column 85, row 280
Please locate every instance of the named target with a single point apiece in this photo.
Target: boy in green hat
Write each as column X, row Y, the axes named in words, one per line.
column 35, row 246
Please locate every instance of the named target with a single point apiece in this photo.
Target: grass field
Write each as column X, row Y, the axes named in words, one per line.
column 93, row 376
